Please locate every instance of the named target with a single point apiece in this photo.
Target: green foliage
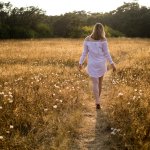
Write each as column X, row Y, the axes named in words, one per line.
column 76, row 32
column 4, row 31
column 130, row 19
column 31, row 22
column 86, row 30
column 112, row 33
column 20, row 32
column 43, row 30
column 68, row 25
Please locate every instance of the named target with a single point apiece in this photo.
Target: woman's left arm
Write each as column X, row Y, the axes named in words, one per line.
column 84, row 53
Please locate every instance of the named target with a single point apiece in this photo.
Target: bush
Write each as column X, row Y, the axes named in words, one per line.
column 20, row 32
column 43, row 30
column 86, row 30
column 112, row 33
column 76, row 32
column 4, row 32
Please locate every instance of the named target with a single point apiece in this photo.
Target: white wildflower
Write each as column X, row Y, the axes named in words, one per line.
column 134, row 97
column 120, row 94
column 135, row 90
column 55, row 106
column 1, row 107
column 113, row 133
column 1, row 93
column 11, row 126
column 115, row 130
column 61, row 101
column 46, row 109
column 118, row 130
column 6, row 83
column 56, row 86
column 9, row 93
column 113, row 82
column 1, row 137
column 10, row 101
column 7, row 131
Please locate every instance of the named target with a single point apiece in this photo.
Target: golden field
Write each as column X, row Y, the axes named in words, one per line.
column 42, row 93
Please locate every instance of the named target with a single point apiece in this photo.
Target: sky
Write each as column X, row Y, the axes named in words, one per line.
column 58, row 7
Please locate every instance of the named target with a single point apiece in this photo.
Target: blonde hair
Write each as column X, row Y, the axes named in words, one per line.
column 98, row 32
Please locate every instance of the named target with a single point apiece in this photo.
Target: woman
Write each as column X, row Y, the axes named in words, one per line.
column 96, row 46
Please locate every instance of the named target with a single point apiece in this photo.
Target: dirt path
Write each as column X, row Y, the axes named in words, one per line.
column 95, row 130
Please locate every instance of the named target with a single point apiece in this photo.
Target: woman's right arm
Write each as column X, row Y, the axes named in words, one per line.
column 106, row 52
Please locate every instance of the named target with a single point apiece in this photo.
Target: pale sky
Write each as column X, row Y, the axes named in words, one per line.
column 58, row 7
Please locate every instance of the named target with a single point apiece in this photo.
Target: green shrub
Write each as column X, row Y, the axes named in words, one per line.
column 4, row 31
column 112, row 33
column 20, row 32
column 109, row 31
column 43, row 30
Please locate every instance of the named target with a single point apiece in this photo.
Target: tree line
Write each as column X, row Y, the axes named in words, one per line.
column 130, row 19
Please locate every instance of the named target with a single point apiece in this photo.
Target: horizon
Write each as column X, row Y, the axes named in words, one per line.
column 54, row 9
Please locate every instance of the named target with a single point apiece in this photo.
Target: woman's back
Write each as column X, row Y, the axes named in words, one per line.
column 95, row 49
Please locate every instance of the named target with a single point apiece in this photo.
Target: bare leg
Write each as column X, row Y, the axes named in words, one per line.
column 100, row 84
column 95, row 85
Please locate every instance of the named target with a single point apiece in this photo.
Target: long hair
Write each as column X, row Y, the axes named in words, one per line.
column 98, row 32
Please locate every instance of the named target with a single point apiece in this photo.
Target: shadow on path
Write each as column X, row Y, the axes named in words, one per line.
column 102, row 140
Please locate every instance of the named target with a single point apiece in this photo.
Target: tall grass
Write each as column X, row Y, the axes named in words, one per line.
column 42, row 94
column 129, row 102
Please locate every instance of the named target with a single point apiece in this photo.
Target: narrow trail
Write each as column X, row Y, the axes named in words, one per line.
column 95, row 129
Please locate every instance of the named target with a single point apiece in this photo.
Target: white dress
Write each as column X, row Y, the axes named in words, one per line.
column 98, row 53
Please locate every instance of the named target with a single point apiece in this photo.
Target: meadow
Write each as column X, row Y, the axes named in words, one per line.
column 43, row 95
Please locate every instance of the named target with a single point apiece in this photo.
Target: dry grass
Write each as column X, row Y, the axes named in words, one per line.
column 42, row 92
column 129, row 103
